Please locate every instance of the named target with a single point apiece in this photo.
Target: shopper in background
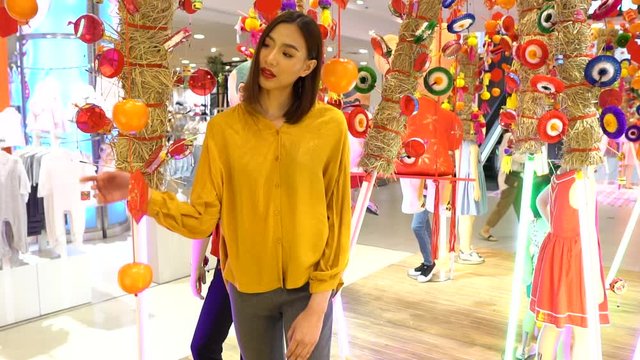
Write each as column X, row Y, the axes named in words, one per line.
column 275, row 171
column 509, row 193
column 215, row 316
column 421, row 227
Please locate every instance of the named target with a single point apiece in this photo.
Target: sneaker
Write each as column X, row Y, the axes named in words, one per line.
column 426, row 274
column 470, row 258
column 414, row 273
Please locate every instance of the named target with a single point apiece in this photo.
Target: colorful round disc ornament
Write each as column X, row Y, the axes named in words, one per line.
column 547, row 84
column 633, row 133
column 613, row 122
column 438, row 81
column 552, row 126
column 448, row 3
column 461, row 23
column 414, row 147
column 408, row 105
column 367, row 80
column 547, row 19
column 602, row 71
column 451, row 48
column 358, row 122
column 534, row 53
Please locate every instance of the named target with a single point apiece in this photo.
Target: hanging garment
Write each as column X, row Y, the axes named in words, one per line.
column 14, row 191
column 11, row 133
column 59, row 185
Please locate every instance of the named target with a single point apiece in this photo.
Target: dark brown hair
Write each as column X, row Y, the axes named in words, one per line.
column 305, row 89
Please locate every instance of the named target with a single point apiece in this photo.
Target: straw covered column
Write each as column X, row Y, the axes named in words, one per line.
column 531, row 105
column 385, row 139
column 579, row 100
column 146, row 77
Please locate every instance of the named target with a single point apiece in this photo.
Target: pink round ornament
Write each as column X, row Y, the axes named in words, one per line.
column 88, row 28
column 111, row 63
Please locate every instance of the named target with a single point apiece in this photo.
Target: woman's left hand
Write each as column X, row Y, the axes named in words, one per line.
column 304, row 333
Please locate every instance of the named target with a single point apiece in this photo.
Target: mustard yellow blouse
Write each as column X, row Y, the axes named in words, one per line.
column 283, row 196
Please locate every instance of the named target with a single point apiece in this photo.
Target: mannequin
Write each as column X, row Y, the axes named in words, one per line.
column 471, row 199
column 557, row 295
column 14, row 192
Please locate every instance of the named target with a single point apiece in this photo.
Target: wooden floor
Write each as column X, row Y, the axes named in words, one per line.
column 392, row 317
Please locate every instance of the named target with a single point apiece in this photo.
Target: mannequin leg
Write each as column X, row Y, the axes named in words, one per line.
column 465, row 231
column 548, row 342
column 78, row 224
column 628, row 174
column 528, row 327
column 580, row 349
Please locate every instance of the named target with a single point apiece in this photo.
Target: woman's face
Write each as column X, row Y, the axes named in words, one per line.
column 283, row 58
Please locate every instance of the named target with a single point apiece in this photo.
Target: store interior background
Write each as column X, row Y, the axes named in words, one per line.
column 389, row 314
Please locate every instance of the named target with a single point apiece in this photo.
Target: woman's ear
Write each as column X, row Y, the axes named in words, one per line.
column 308, row 67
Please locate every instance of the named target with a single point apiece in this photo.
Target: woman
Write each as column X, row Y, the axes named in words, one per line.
column 275, row 171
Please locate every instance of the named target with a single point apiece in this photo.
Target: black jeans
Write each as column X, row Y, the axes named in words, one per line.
column 214, row 321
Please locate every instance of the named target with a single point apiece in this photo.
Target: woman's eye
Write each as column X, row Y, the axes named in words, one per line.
column 287, row 55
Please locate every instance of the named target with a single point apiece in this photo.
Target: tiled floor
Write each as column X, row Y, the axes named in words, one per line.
column 107, row 330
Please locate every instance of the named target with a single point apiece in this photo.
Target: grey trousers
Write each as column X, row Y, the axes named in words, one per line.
column 262, row 320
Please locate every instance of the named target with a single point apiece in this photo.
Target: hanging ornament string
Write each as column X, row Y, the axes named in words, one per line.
column 339, row 32
column 127, row 45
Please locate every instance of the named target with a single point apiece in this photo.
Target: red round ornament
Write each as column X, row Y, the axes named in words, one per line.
column 111, row 63
column 88, row 28
column 268, row 6
column 610, row 97
column 90, row 118
column 202, row 82
column 414, row 147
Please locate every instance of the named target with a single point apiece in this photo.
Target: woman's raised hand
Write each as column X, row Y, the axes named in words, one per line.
column 109, row 186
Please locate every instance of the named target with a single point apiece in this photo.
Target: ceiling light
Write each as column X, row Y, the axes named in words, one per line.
column 192, row 65
column 359, row 2
column 214, row 49
column 329, row 49
column 185, row 61
column 363, row 51
column 178, row 69
column 363, row 63
column 198, row 36
column 235, row 58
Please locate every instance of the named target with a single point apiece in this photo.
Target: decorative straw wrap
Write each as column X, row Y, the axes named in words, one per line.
column 471, row 70
column 146, row 77
column 531, row 105
column 578, row 102
column 384, row 140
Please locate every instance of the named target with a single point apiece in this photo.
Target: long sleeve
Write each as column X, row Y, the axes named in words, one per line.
column 196, row 218
column 327, row 274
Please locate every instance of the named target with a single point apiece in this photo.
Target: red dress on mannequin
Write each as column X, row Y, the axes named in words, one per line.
column 558, row 295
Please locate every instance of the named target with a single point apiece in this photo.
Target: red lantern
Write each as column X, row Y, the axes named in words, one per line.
column 21, row 10
column 202, row 82
column 88, row 28
column 130, row 115
column 111, row 63
column 268, row 6
column 134, row 278
column 90, row 118
column 339, row 75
